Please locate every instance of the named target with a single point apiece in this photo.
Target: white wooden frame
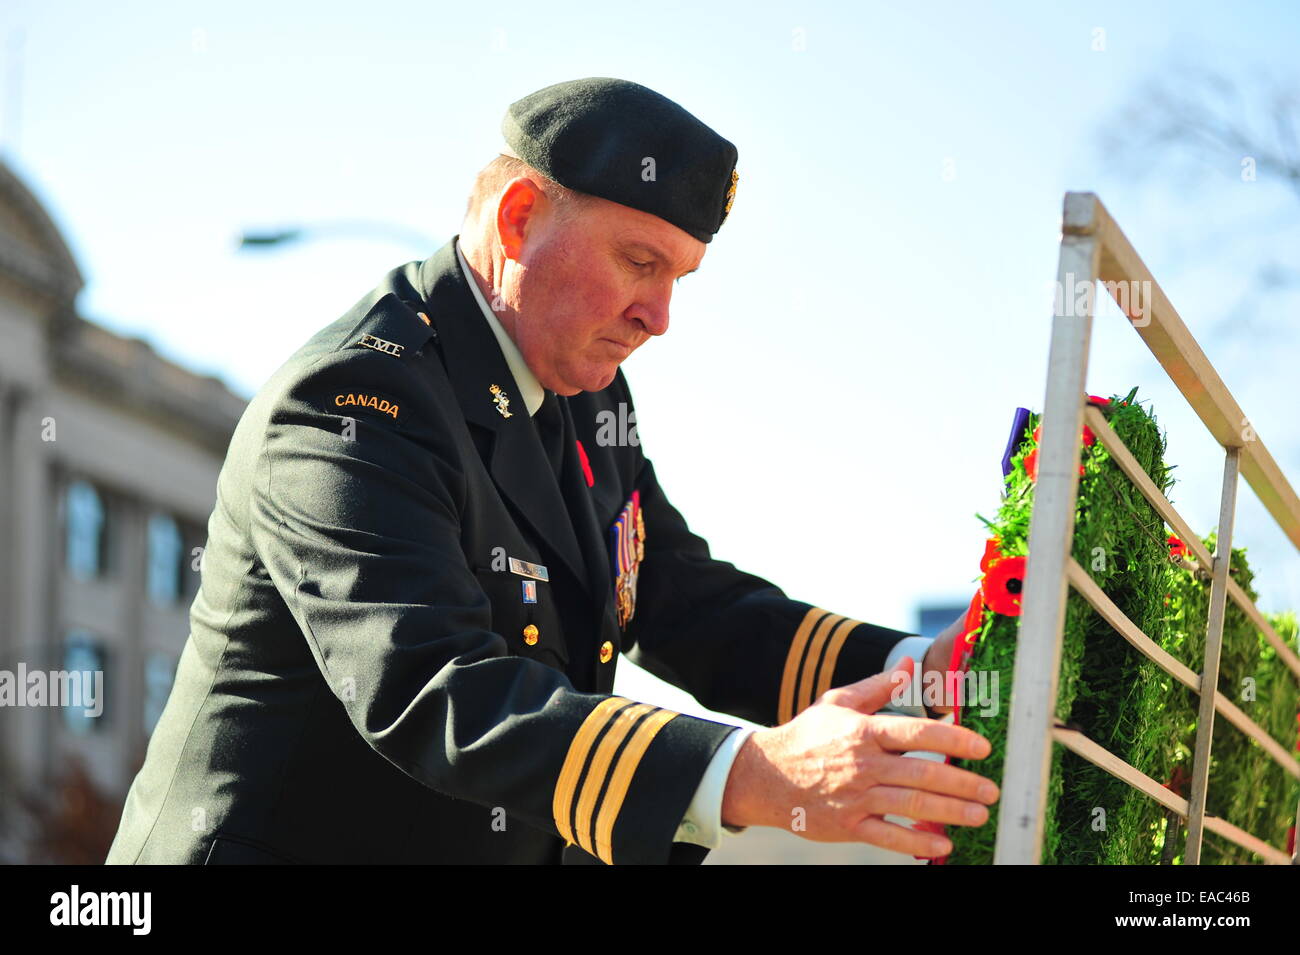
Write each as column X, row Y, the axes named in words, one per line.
column 1094, row 249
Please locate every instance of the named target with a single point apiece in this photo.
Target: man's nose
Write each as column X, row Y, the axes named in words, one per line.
column 652, row 313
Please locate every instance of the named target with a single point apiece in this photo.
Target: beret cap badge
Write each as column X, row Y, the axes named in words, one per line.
column 731, row 196
column 500, row 399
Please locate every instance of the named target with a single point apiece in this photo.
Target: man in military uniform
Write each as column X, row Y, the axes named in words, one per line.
column 435, row 532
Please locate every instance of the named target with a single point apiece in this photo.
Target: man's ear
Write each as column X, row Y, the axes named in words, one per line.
column 519, row 212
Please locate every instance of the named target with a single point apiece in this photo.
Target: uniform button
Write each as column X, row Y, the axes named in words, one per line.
column 606, row 652
column 530, row 634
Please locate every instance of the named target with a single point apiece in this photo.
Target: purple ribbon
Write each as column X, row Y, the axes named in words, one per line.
column 1017, row 437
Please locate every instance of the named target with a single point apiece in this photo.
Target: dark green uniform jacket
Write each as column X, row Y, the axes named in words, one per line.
column 364, row 680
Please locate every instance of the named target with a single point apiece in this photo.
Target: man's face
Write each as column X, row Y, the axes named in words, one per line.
column 585, row 293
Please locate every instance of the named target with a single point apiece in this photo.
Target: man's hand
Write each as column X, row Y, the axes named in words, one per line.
column 937, row 658
column 833, row 772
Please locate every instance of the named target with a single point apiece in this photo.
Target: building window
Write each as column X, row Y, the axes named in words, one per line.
column 159, row 671
column 191, row 569
column 82, row 700
column 164, row 578
column 85, row 545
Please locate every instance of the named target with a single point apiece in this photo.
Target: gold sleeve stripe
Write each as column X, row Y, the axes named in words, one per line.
column 790, row 678
column 832, row 655
column 562, row 802
column 622, row 779
column 618, row 729
column 804, row 698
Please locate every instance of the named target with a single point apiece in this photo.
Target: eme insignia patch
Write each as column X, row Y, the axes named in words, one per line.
column 627, row 550
column 380, row 344
column 346, row 402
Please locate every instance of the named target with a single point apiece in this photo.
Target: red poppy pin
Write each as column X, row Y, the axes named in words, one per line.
column 586, row 464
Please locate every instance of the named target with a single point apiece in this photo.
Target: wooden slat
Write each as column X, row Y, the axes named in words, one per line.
column 1088, row 589
column 1233, row 714
column 1133, row 470
column 1243, row 601
column 1142, row 481
column 1102, row 758
column 1221, row 827
column 1081, row 581
column 1177, row 351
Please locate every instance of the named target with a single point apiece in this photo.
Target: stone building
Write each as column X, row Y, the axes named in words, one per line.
column 109, row 456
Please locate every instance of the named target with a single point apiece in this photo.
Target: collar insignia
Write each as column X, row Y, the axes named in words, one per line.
column 379, row 344
column 500, row 400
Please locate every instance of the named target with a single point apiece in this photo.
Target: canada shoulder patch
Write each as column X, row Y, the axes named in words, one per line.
column 349, row 403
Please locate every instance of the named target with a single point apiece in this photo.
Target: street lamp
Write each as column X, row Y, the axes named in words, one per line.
column 358, row 228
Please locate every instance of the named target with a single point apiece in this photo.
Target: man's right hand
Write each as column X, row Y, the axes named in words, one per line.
column 832, row 773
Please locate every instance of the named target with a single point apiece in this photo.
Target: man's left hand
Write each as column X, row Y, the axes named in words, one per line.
column 937, row 659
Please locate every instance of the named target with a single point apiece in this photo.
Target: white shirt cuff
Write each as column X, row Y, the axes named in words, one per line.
column 702, row 824
column 914, row 647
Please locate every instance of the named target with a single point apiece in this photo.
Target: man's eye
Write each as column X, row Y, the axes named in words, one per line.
column 639, row 265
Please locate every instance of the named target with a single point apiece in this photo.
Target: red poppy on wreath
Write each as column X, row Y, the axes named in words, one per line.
column 963, row 647
column 1031, row 465
column 1176, row 547
column 1031, row 459
column 1088, row 437
column 991, row 553
column 1003, row 584
column 1178, row 780
column 971, row 626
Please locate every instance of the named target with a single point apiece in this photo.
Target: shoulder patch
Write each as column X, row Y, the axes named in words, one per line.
column 364, row 401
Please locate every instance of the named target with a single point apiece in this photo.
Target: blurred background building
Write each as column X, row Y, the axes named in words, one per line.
column 108, row 462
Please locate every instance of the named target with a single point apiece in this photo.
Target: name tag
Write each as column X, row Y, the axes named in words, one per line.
column 524, row 569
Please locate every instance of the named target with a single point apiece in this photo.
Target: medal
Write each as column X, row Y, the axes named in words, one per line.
column 627, row 550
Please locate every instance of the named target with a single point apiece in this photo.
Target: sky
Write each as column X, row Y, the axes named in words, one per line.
column 831, row 402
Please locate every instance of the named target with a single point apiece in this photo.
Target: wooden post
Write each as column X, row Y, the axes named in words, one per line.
column 1210, row 671
column 1051, row 532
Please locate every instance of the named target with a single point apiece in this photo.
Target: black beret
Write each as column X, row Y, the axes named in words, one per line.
column 628, row 144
